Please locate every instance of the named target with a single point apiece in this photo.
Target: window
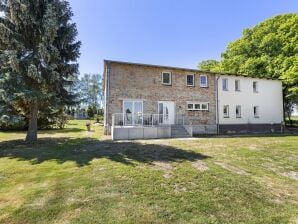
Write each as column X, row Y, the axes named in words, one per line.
column 167, row 78
column 225, row 84
column 198, row 106
column 190, row 106
column 132, row 112
column 237, row 85
column 255, row 86
column 190, row 80
column 238, row 111
column 226, row 111
column 203, row 81
column 204, row 106
column 256, row 111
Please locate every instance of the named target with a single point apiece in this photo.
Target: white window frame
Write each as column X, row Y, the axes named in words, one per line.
column 239, row 109
column 257, row 114
column 196, row 103
column 207, row 108
column 227, row 115
column 255, row 90
column 168, row 84
column 237, row 80
column 192, row 106
column 193, row 79
column 195, row 106
column 227, row 84
column 204, row 85
column 133, row 108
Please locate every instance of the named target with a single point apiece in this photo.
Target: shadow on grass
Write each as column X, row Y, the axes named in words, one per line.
column 82, row 151
column 65, row 130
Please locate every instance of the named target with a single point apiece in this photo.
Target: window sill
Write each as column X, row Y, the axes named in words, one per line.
column 237, row 90
column 190, row 85
column 238, row 117
column 225, row 90
column 203, row 86
column 256, row 116
column 226, row 117
column 166, row 84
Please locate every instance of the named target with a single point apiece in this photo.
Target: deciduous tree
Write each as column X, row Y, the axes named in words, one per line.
column 268, row 50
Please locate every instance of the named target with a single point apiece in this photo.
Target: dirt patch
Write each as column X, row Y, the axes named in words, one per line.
column 291, row 174
column 232, row 168
column 178, row 188
column 166, row 167
column 293, row 158
column 253, row 148
column 200, row 165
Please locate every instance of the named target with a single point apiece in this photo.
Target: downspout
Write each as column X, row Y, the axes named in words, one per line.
column 283, row 123
column 217, row 113
column 107, row 90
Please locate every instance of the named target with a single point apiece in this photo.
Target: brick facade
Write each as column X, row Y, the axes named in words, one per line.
column 144, row 82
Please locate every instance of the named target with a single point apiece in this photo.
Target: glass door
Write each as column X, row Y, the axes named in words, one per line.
column 132, row 112
column 166, row 111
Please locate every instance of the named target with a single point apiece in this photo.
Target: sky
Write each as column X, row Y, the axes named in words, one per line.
column 176, row 33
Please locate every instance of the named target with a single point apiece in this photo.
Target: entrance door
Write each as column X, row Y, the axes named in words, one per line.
column 166, row 111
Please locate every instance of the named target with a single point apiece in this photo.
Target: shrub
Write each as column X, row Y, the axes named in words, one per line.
column 12, row 123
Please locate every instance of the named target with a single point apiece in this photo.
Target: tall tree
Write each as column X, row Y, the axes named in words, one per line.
column 38, row 53
column 270, row 49
column 91, row 89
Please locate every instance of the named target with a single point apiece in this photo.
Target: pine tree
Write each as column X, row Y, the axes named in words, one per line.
column 38, row 53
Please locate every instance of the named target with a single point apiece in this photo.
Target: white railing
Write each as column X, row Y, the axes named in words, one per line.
column 182, row 119
column 141, row 119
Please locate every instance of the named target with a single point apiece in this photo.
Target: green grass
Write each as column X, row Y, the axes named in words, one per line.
column 71, row 176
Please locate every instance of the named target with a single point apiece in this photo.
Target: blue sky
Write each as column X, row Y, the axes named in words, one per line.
column 166, row 32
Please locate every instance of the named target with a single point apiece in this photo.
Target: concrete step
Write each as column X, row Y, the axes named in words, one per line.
column 178, row 131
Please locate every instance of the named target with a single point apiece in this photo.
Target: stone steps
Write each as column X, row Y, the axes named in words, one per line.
column 178, row 131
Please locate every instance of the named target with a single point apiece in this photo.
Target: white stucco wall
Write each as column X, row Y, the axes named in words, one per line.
column 269, row 99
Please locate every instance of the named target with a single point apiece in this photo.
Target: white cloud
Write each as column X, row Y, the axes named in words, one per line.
column 1, row 14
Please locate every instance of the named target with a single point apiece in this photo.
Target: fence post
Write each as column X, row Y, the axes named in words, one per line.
column 152, row 119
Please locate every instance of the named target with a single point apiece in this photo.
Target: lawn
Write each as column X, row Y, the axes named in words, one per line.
column 72, row 176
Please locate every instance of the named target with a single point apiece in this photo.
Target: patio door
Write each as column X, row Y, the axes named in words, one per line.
column 166, row 111
column 132, row 112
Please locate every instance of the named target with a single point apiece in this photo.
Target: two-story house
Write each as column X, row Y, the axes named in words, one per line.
column 152, row 101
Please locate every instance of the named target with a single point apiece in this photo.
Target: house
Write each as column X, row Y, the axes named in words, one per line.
column 249, row 105
column 153, row 101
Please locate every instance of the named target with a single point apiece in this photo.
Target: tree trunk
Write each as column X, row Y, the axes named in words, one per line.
column 32, row 129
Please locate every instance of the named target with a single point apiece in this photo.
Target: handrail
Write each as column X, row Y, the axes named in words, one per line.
column 140, row 119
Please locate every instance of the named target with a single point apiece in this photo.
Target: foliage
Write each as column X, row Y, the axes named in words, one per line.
column 61, row 120
column 38, row 54
column 91, row 111
column 268, row 50
column 12, row 123
column 90, row 89
column 208, row 65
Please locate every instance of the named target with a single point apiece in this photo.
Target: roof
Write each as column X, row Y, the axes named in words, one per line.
column 180, row 68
